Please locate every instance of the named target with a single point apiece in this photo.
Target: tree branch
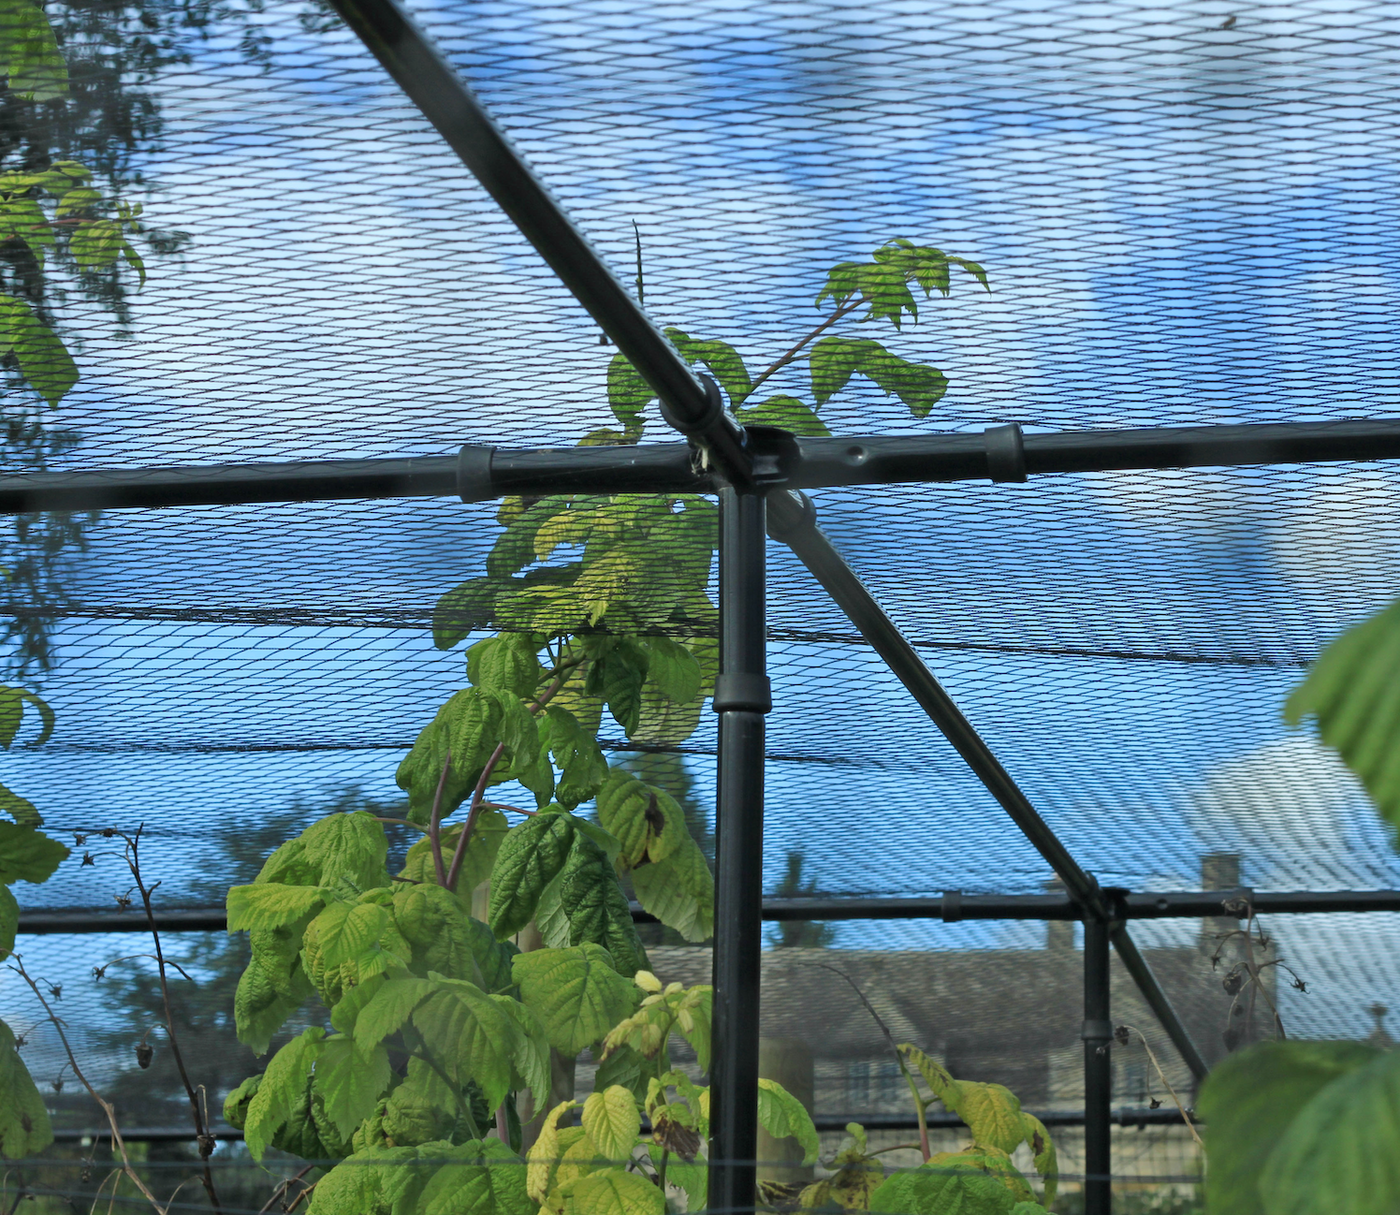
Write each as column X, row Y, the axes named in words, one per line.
column 435, row 822
column 203, row 1138
column 103, row 1104
column 846, row 310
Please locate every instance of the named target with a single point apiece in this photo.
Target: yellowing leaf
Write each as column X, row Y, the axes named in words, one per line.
column 612, row 1121
column 783, row 1115
column 615, row 1192
column 576, row 991
column 544, row 1155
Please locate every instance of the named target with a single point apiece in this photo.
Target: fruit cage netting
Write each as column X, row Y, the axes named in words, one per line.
column 1188, row 216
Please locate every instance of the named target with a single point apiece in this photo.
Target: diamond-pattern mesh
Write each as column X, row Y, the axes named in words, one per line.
column 1188, row 215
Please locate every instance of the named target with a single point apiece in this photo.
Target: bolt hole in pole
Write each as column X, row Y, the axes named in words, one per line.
column 1098, row 1070
column 742, row 697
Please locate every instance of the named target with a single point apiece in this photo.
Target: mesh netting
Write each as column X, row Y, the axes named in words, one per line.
column 1188, row 215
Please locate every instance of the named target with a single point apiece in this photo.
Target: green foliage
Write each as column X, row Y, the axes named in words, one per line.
column 783, row 1115
column 27, row 854
column 1250, row 1104
column 1353, row 690
column 577, row 992
column 24, row 1122
column 32, row 64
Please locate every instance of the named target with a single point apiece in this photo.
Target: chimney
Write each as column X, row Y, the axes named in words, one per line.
column 1219, row 871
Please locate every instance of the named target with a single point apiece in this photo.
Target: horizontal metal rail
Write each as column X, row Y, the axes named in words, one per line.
column 949, row 908
column 1130, row 1116
column 483, row 473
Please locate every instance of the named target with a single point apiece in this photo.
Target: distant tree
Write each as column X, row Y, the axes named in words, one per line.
column 788, row 934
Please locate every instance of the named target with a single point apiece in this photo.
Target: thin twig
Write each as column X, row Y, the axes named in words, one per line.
column 203, row 1139
column 512, row 809
column 796, row 350
column 131, row 956
column 103, row 1104
column 1162, row 1076
column 282, row 1189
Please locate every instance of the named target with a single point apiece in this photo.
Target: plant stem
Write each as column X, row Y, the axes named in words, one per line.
column 845, row 310
column 203, row 1139
column 282, row 1189
column 104, row 1105
column 1162, row 1076
column 661, row 1172
column 502, row 1126
column 435, row 822
column 449, row 879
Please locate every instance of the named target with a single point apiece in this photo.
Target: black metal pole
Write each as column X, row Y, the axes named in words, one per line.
column 742, row 697
column 1098, row 1071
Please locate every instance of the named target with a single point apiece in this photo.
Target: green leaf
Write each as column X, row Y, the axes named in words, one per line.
column 593, row 903
column 12, row 704
column 577, row 992
column 628, row 392
column 1248, row 1103
column 350, row 1080
column 920, row 387
column 9, row 921
column 943, row 1189
column 133, row 259
column 21, row 809
column 351, row 943
column 1354, row 691
column 833, row 361
column 673, row 669
column 444, row 938
column 27, row 855
column 782, row 1115
column 390, row 1008
column 270, row 905
column 507, row 663
column 1339, row 1153
column 530, row 1066
column 616, row 676
column 720, row 358
column 422, row 1108
column 43, row 359
column 378, row 1181
column 272, row 987
column 346, row 846
column 469, row 1034
column 283, row 1089
column 580, row 759
column 463, row 610
column 483, row 1177
column 646, row 822
column 679, row 891
column 530, row 857
column 24, row 1121
column 785, row 412
column 614, row 1192
column 29, row 54
column 1043, row 1153
column 992, row 1112
column 611, row 1119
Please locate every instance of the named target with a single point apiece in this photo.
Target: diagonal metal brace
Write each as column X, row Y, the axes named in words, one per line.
column 792, row 519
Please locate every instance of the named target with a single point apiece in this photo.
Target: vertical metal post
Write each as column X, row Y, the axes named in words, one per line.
column 742, row 697
column 1098, row 1070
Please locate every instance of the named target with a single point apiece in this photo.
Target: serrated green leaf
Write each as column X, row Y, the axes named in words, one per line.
column 272, row 987
column 1339, row 1153
column 282, row 1090
column 628, row 392
column 27, row 855
column 935, row 1189
column 720, row 358
column 782, row 1115
column 272, row 905
column 595, row 907
column 464, row 610
column 21, row 809
column 483, row 1177
column 378, row 1181
column 29, row 54
column 346, row 846
column 9, row 921
column 1354, row 691
column 506, row 663
column 679, row 891
column 43, row 359
column 1248, row 1103
column 673, row 669
column 446, row 939
column 530, row 1066
column 390, row 1008
column 530, row 857
column 469, row 1034
column 616, row 676
column 611, row 1119
column 24, row 1121
column 992, row 1112
column 577, row 992
column 920, row 387
column 786, row 412
column 580, row 759
column 614, row 1192
column 832, row 363
column 480, row 856
column 349, row 1081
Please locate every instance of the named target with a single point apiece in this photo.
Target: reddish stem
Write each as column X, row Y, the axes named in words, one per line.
column 435, row 822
